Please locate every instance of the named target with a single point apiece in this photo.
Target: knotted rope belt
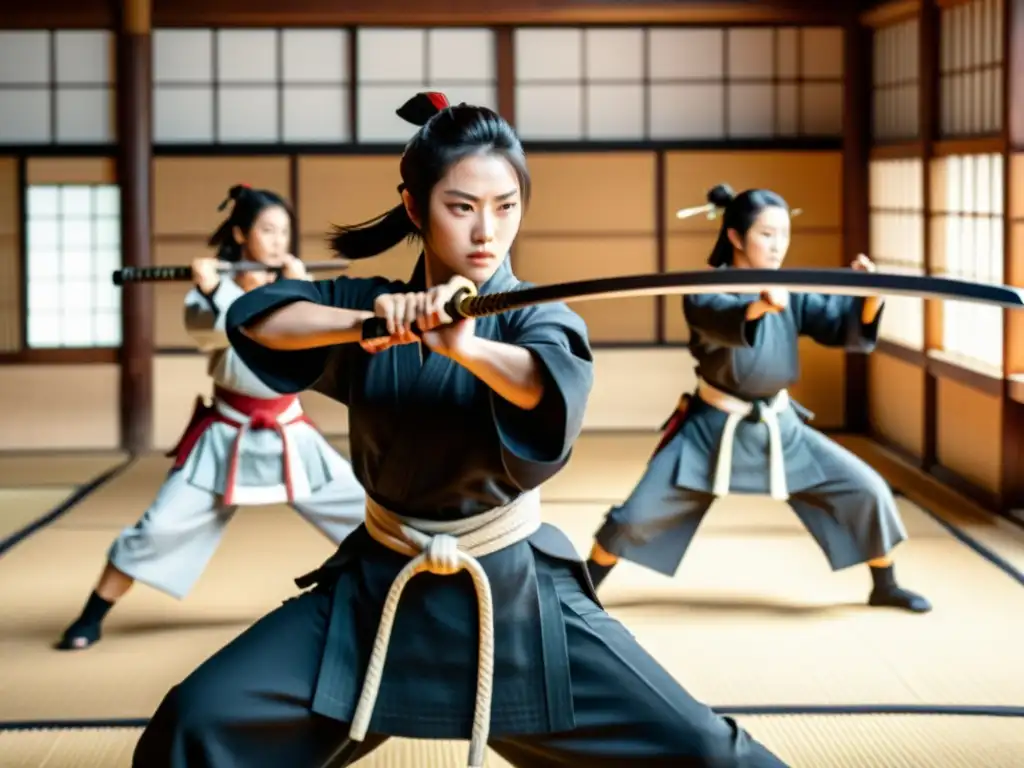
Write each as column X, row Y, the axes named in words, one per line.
column 737, row 411
column 445, row 548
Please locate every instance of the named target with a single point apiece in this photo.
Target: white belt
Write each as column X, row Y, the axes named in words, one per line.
column 738, row 410
column 445, row 548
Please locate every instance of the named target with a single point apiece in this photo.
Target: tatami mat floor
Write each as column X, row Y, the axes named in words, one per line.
column 804, row 741
column 55, row 469
column 753, row 618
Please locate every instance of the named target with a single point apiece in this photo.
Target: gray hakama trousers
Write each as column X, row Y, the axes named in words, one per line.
column 844, row 504
column 172, row 543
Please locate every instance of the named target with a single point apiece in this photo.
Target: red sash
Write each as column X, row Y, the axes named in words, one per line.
column 262, row 414
column 673, row 424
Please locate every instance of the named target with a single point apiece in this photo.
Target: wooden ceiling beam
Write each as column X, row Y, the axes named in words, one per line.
column 62, row 14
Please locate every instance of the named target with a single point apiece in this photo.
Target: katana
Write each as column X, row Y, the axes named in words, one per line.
column 849, row 282
column 176, row 274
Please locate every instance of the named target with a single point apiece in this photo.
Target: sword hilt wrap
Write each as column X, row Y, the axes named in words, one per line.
column 462, row 305
column 151, row 275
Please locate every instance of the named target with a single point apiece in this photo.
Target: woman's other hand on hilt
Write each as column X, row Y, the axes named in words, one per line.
column 205, row 274
column 441, row 332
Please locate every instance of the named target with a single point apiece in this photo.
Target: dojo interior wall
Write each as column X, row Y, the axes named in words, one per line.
column 594, row 214
column 945, row 199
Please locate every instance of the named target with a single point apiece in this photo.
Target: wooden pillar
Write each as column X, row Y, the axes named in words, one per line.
column 856, row 159
column 1011, row 486
column 928, row 127
column 134, row 62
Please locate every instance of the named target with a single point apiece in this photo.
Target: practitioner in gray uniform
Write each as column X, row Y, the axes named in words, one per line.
column 252, row 446
column 740, row 432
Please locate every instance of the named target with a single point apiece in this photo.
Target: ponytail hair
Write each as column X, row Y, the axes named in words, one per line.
column 721, row 196
column 247, row 204
column 446, row 135
column 377, row 235
column 739, row 214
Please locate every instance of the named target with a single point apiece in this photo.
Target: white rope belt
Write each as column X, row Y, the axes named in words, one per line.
column 445, row 548
column 738, row 410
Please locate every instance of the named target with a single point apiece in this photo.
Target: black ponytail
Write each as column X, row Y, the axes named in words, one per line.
column 247, row 204
column 446, row 135
column 721, row 196
column 369, row 238
column 739, row 214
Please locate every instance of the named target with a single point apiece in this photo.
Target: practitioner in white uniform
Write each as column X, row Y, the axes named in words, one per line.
column 250, row 446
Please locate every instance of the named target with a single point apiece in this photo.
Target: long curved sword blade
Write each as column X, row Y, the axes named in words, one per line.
column 844, row 282
column 847, row 282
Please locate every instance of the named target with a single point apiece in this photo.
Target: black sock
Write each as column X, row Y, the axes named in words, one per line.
column 87, row 627
column 95, row 609
column 598, row 571
column 883, row 577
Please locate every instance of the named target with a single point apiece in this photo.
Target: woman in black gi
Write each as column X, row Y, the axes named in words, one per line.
column 447, row 436
column 739, row 432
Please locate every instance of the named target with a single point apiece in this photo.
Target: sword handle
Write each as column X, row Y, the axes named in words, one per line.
column 184, row 273
column 458, row 307
column 151, row 275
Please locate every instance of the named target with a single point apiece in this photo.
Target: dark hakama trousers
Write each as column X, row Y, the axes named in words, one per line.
column 249, row 705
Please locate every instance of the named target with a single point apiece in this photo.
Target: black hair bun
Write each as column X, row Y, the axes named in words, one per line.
column 420, row 108
column 721, row 195
column 234, row 194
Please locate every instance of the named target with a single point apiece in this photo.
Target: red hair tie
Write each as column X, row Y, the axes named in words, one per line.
column 438, row 99
column 420, row 108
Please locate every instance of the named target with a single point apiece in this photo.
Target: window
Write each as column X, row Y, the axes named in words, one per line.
column 250, row 86
column 675, row 83
column 896, row 80
column 896, row 189
column 56, row 87
column 968, row 228
column 393, row 64
column 971, row 68
column 73, row 247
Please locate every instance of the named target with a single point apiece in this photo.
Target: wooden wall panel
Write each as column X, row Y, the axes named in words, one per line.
column 169, row 298
column 10, row 256
column 350, row 190
column 177, row 380
column 808, row 180
column 60, row 407
column 1014, row 357
column 187, row 190
column 598, row 193
column 896, row 402
column 345, row 190
column 969, row 433
column 591, row 216
column 394, row 264
column 822, row 384
column 70, row 170
column 554, row 260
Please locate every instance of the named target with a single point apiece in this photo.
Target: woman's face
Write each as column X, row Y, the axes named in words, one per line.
column 475, row 214
column 766, row 243
column 267, row 242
